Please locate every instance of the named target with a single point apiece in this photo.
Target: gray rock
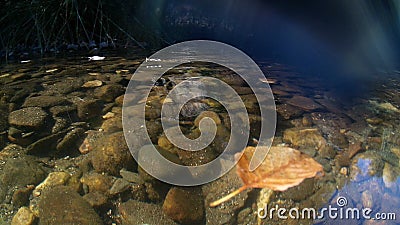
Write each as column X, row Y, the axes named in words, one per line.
column 30, row 118
column 62, row 205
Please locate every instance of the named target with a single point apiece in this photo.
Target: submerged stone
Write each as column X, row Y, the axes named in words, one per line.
column 305, row 138
column 20, row 172
column 138, row 213
column 62, row 205
column 24, row 216
column 366, row 165
column 44, row 101
column 109, row 92
column 111, row 154
column 184, row 205
column 304, row 103
column 30, row 118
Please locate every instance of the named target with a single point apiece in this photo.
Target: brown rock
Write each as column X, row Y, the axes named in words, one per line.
column 207, row 114
column 112, row 125
column 24, row 216
column 120, row 100
column 139, row 213
column 96, row 199
column 97, row 182
column 305, row 138
column 304, row 103
column 92, row 83
column 89, row 108
column 21, row 196
column 288, row 111
column 300, row 192
column 112, row 154
column 44, row 101
column 184, row 205
column 109, row 92
column 90, row 141
column 62, row 205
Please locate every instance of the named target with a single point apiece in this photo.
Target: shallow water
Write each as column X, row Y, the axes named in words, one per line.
column 61, row 138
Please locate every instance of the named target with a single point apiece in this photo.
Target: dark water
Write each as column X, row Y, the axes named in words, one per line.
column 63, row 148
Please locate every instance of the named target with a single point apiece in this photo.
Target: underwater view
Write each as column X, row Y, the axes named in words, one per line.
column 199, row 112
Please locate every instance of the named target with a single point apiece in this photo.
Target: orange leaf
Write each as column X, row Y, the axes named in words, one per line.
column 281, row 169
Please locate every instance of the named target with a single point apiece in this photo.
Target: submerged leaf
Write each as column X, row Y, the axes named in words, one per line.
column 281, row 169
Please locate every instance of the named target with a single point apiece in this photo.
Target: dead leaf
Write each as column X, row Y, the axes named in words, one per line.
column 282, row 168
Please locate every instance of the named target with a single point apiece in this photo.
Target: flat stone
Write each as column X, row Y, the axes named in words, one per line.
column 304, row 103
column 109, row 92
column 44, row 101
column 96, row 199
column 97, row 182
column 92, row 83
column 89, row 108
column 70, row 142
column 31, row 118
column 300, row 192
column 304, row 138
column 139, row 213
column 59, row 125
column 52, row 180
column 112, row 125
column 66, row 86
column 119, row 186
column 288, row 111
column 46, row 144
column 130, row 176
column 62, row 205
column 63, row 110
